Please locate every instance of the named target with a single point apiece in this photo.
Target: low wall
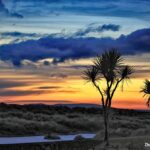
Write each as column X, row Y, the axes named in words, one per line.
column 69, row 145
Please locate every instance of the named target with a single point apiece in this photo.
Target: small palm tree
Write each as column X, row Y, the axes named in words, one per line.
column 146, row 91
column 108, row 67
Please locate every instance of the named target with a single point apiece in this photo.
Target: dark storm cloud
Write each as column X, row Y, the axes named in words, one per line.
column 61, row 48
column 97, row 29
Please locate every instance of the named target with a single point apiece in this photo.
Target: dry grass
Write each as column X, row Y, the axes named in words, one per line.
column 128, row 130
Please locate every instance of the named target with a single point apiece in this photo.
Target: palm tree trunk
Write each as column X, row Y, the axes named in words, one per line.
column 106, row 126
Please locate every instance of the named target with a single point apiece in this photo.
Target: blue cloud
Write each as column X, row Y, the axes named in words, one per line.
column 17, row 34
column 17, row 15
column 97, row 29
column 4, row 11
column 61, row 48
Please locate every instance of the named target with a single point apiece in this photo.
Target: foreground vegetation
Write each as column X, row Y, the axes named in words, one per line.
column 16, row 120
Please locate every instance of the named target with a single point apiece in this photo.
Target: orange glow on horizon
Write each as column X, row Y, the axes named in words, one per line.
column 76, row 91
column 63, row 83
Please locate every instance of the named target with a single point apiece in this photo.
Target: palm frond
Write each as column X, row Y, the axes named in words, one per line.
column 108, row 63
column 91, row 74
column 125, row 72
column 146, row 88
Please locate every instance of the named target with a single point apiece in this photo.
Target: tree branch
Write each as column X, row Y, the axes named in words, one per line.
column 108, row 94
column 109, row 97
column 98, row 88
column 112, row 94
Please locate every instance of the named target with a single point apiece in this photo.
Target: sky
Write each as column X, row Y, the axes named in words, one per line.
column 45, row 45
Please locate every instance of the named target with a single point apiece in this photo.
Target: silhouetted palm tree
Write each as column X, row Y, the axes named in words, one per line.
column 108, row 67
column 146, row 91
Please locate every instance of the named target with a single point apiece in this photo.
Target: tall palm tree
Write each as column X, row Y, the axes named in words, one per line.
column 146, row 91
column 108, row 67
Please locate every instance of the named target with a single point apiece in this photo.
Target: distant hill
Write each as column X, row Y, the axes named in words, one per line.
column 80, row 105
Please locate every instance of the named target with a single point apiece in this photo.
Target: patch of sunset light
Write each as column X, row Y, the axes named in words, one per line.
column 83, row 61
column 4, row 41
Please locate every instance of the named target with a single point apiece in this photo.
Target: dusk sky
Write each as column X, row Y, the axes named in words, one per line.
column 45, row 45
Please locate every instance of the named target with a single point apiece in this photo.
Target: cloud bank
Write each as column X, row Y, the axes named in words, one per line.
column 60, row 48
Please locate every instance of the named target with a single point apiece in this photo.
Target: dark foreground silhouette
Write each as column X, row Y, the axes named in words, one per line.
column 126, row 127
column 39, row 119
